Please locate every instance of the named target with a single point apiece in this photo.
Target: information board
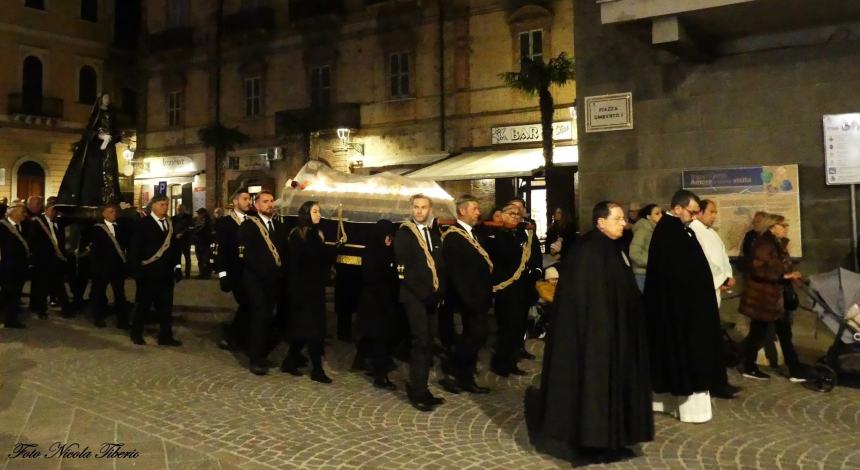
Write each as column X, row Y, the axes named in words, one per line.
column 842, row 148
column 741, row 192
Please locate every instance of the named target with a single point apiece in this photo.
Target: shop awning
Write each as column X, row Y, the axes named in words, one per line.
column 495, row 164
column 391, row 160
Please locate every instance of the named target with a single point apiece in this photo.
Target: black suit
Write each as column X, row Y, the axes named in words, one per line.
column 263, row 280
column 229, row 268
column 155, row 279
column 420, row 300
column 14, row 264
column 109, row 269
column 49, row 269
column 505, row 247
column 469, row 293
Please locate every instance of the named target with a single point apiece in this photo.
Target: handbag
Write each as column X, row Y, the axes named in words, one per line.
column 790, row 301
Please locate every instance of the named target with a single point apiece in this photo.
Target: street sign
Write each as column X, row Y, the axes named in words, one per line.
column 162, row 188
column 842, row 148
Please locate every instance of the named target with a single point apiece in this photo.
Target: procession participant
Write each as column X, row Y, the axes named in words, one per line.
column 534, row 271
column 595, row 395
column 202, row 239
column 418, row 251
column 47, row 245
column 108, row 245
column 510, row 256
column 377, row 306
column 14, row 263
column 683, row 320
column 469, row 290
column 229, row 267
column 153, row 257
column 263, row 243
column 713, row 247
column 309, row 268
column 182, row 224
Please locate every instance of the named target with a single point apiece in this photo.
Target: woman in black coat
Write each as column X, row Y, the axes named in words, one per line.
column 377, row 305
column 309, row 271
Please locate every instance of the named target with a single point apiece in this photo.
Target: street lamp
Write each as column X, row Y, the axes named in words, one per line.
column 343, row 135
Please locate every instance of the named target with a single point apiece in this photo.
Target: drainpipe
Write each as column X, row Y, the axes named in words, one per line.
column 442, row 137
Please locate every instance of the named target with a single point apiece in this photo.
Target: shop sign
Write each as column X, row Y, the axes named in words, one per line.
column 164, row 167
column 253, row 162
column 530, row 133
column 609, row 112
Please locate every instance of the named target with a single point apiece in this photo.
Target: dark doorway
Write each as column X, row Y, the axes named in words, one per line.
column 31, row 180
column 31, row 85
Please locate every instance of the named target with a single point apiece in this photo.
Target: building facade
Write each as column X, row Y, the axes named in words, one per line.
column 723, row 84
column 58, row 57
column 364, row 85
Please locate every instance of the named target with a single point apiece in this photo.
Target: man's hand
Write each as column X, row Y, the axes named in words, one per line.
column 730, row 282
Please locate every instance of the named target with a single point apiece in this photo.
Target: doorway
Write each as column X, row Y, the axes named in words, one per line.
column 31, row 180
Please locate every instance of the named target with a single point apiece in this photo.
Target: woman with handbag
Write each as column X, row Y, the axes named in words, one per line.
column 767, row 297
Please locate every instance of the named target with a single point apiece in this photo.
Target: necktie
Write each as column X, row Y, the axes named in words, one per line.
column 18, row 227
column 427, row 239
column 271, row 228
column 113, row 227
column 163, row 225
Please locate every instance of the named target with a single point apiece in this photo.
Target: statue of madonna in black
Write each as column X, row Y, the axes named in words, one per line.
column 92, row 179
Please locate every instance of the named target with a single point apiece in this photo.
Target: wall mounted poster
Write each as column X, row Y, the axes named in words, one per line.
column 842, row 148
column 741, row 192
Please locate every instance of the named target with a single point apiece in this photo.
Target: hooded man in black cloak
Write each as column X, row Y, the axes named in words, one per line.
column 92, row 178
column 595, row 395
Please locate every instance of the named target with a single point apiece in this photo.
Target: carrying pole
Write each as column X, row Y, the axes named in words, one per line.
column 854, row 230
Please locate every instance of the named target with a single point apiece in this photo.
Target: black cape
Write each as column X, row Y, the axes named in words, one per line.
column 683, row 317
column 377, row 306
column 92, row 178
column 595, row 391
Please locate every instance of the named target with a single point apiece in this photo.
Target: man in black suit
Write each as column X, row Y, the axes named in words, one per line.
column 469, row 290
column 108, row 245
column 418, row 250
column 229, row 268
column 263, row 242
column 153, row 256
column 14, row 263
column 182, row 223
column 50, row 265
column 534, row 271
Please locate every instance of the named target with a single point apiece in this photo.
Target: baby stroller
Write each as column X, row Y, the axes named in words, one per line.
column 835, row 295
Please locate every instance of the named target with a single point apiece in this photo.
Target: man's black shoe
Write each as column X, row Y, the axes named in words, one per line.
column 302, row 361
column 421, row 404
column 123, row 325
column 434, row 400
column 41, row 315
column 319, row 376
column 258, row 369
column 15, row 324
column 472, row 387
column 100, row 323
column 384, row 384
column 499, row 371
column 449, row 385
column 224, row 344
column 169, row 342
column 517, row 371
column 726, row 392
column 138, row 340
column 289, row 368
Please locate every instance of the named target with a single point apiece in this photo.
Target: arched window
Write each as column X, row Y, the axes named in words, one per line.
column 90, row 10
column 31, row 85
column 31, row 180
column 87, row 85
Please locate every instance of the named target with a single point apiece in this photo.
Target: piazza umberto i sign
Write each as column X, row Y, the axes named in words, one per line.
column 525, row 133
column 609, row 112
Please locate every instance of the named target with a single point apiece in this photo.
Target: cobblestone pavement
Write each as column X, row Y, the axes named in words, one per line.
column 198, row 407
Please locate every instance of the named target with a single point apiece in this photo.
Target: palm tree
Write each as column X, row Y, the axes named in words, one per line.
column 535, row 78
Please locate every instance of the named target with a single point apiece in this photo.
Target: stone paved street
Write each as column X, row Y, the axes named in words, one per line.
column 198, row 407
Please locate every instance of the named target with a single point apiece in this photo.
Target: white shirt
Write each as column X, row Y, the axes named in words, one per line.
column 158, row 222
column 266, row 221
column 467, row 228
column 111, row 226
column 52, row 227
column 15, row 225
column 241, row 215
column 715, row 252
column 421, row 228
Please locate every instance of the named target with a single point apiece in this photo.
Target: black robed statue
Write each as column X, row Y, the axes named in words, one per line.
column 92, row 179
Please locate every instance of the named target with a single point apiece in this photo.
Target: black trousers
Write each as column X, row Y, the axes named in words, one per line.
column 79, row 280
column 202, row 250
column 376, row 351
column 99, row 301
column 756, row 336
column 470, row 342
column 10, row 293
column 237, row 330
column 186, row 254
column 45, row 283
column 447, row 331
column 262, row 329
column 315, row 350
column 420, row 317
column 511, row 322
column 157, row 293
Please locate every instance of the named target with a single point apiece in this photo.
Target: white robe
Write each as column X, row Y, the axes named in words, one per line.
column 715, row 252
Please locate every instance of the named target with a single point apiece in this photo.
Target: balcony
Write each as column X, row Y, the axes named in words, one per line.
column 174, row 38
column 307, row 9
column 294, row 121
column 250, row 21
column 42, row 107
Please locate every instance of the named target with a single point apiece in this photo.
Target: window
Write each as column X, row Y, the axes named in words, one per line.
column 90, row 10
column 252, row 97
column 177, row 13
column 37, row 4
column 87, row 85
column 531, row 45
column 31, row 85
column 174, row 108
column 320, row 86
column 398, row 72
